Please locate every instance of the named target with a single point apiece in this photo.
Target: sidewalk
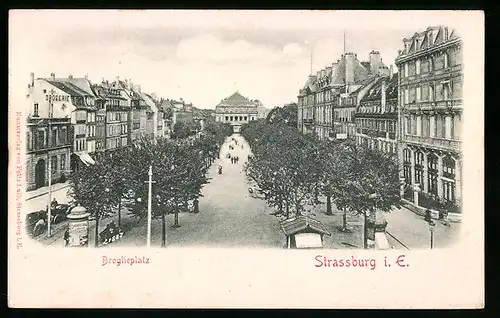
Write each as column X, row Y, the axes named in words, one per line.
column 45, row 190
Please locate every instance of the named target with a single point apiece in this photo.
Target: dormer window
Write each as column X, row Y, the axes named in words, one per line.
column 35, row 110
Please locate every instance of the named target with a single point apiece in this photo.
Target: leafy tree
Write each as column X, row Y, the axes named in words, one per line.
column 282, row 170
column 286, row 115
column 369, row 183
column 182, row 130
column 91, row 187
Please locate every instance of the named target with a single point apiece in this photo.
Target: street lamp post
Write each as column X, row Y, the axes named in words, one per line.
column 150, row 184
column 432, row 237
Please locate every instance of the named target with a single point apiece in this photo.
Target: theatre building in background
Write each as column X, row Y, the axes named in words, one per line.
column 430, row 99
column 237, row 110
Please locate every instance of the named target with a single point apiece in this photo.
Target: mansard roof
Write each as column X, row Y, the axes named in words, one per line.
column 432, row 36
column 375, row 93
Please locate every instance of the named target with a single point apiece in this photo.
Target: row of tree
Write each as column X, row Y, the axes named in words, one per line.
column 292, row 169
column 179, row 172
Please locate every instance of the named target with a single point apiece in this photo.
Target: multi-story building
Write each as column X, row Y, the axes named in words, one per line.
column 136, row 118
column 100, row 121
column 305, row 107
column 377, row 115
column 154, row 124
column 430, row 102
column 236, row 110
column 117, row 112
column 327, row 102
column 48, row 141
column 62, row 98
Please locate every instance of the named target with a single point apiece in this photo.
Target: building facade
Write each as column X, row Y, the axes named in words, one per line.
column 65, row 98
column 236, row 110
column 328, row 100
column 377, row 115
column 48, row 143
column 430, row 100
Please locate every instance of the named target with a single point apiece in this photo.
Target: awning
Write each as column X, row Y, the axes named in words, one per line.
column 86, row 159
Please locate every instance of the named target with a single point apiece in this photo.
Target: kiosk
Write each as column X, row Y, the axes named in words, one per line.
column 303, row 232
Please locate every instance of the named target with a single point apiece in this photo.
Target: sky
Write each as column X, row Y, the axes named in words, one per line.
column 203, row 56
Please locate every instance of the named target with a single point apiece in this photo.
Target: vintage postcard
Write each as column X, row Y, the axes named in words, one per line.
column 246, row 159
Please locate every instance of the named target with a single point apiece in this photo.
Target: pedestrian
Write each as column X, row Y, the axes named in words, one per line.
column 66, row 237
column 428, row 217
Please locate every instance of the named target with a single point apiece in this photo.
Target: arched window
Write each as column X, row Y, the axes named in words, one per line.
column 419, row 167
column 432, row 172
column 448, row 167
column 407, row 165
column 449, row 178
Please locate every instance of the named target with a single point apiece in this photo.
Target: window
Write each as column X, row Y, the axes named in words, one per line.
column 432, row 172
column 40, row 140
column 446, row 90
column 407, row 166
column 448, row 190
column 54, row 137
column 417, row 67
column 425, row 126
column 448, row 167
column 419, row 165
column 35, row 110
column 63, row 162
column 406, row 69
column 431, row 92
column 53, row 164
column 419, row 93
column 445, row 55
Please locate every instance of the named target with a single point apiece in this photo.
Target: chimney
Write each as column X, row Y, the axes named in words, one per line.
column 383, row 101
column 32, row 79
column 349, row 68
column 117, row 79
column 139, row 89
column 52, row 76
column 130, row 85
column 375, row 62
column 86, row 76
column 70, row 76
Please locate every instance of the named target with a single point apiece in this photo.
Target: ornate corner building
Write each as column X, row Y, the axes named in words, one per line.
column 430, row 116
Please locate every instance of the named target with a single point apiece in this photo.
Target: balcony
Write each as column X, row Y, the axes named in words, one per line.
column 437, row 104
column 439, row 143
column 307, row 121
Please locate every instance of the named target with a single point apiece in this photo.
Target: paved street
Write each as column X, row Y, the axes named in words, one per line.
column 230, row 217
column 38, row 199
column 413, row 231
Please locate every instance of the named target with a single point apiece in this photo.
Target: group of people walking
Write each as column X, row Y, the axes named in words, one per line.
column 235, row 159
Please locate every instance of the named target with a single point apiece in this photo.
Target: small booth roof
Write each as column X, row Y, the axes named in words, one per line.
column 302, row 224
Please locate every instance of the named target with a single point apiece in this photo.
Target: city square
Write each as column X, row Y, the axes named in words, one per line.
column 366, row 156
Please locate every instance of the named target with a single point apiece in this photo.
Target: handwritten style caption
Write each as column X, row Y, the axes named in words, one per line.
column 353, row 261
column 19, row 182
